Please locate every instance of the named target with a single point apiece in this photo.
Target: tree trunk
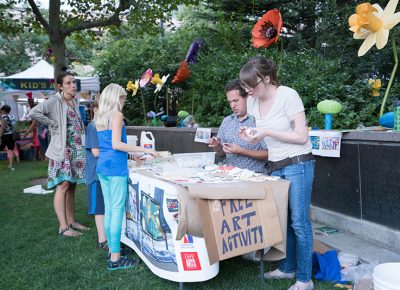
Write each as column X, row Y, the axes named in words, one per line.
column 57, row 43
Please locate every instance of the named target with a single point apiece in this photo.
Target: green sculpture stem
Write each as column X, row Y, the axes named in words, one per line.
column 166, row 100
column 155, row 104
column 143, row 105
column 280, row 58
column 192, row 101
column 396, row 62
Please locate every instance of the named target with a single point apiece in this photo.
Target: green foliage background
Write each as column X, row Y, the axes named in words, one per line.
column 317, row 73
column 320, row 57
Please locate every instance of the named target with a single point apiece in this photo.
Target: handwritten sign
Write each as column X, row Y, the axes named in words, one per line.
column 237, row 226
column 234, row 227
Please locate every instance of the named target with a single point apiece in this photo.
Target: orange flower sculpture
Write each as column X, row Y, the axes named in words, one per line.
column 182, row 74
column 267, row 29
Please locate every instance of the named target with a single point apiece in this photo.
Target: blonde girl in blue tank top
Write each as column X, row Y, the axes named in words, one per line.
column 112, row 169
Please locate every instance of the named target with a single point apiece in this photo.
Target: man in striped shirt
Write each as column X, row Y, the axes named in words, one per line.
column 228, row 144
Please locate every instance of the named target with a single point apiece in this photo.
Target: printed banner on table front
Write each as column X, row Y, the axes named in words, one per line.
column 151, row 225
column 326, row 143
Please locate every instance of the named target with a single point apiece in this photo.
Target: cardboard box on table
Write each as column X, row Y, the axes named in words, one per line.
column 237, row 218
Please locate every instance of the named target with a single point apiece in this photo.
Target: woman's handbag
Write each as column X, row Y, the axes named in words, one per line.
column 16, row 136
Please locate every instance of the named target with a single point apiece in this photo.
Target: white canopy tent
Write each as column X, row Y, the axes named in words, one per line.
column 39, row 81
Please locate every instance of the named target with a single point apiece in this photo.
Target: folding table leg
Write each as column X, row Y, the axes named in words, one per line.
column 262, row 267
column 180, row 285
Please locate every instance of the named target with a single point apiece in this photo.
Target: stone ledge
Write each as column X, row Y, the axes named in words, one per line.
column 362, row 229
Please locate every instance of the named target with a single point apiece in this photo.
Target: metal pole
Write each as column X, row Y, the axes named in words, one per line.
column 262, row 267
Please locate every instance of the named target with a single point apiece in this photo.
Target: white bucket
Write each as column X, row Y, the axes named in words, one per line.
column 147, row 140
column 387, row 276
column 132, row 139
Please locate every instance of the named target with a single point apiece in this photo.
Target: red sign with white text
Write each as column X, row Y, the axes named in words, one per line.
column 190, row 261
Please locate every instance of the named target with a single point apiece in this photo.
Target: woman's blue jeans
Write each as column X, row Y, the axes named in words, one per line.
column 299, row 242
column 115, row 189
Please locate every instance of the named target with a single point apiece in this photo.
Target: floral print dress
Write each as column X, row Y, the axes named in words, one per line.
column 72, row 168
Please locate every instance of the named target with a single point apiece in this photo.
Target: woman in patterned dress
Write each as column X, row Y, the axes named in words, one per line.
column 66, row 150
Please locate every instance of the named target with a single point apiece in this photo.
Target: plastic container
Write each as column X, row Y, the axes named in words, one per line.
column 387, row 276
column 147, row 140
column 132, row 139
column 194, row 159
column 347, row 260
column 396, row 125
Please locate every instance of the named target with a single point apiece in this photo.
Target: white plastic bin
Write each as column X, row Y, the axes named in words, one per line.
column 387, row 276
column 132, row 139
column 191, row 160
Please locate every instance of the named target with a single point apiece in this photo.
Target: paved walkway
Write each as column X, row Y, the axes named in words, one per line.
column 367, row 251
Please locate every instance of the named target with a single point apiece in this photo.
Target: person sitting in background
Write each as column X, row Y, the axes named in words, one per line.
column 228, row 143
column 7, row 123
column 35, row 139
column 44, row 139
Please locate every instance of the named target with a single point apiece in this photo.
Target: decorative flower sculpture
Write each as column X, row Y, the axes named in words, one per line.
column 193, row 52
column 132, row 87
column 266, row 31
column 159, row 82
column 375, row 84
column 329, row 107
column 146, row 77
column 372, row 24
column 154, row 115
column 182, row 74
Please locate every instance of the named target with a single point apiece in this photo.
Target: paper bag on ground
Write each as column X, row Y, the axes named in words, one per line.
column 234, row 227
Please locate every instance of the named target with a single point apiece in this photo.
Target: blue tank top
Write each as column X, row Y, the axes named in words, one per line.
column 111, row 162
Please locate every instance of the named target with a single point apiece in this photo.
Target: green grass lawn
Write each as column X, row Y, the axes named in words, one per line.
column 33, row 256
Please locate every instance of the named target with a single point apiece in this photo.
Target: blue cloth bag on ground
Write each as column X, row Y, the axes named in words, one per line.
column 326, row 267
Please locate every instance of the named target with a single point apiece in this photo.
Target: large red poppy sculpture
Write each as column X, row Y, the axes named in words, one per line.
column 266, row 31
column 182, row 74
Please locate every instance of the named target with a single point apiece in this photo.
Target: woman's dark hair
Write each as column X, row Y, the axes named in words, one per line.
column 61, row 76
column 6, row 109
column 258, row 68
column 236, row 85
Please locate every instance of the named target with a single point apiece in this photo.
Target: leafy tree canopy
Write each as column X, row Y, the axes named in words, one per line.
column 82, row 15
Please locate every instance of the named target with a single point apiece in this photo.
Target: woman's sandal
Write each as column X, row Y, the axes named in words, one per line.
column 122, row 263
column 78, row 227
column 102, row 245
column 62, row 232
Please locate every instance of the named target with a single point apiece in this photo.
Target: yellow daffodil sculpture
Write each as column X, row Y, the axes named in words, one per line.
column 373, row 24
column 159, row 82
column 132, row 87
column 376, row 85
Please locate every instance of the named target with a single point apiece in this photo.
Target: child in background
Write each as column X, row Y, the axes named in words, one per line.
column 35, row 139
column 112, row 169
column 95, row 200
